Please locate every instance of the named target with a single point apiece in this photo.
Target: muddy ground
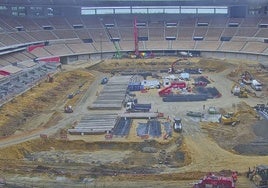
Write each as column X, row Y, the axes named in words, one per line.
column 83, row 161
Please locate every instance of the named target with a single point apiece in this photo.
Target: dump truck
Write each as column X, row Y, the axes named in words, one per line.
column 259, row 176
column 132, row 107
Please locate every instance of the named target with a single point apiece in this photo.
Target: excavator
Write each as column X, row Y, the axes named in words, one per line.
column 239, row 91
column 172, row 70
column 229, row 119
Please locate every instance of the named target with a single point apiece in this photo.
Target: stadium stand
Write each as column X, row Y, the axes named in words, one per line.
column 7, row 40
column 59, row 22
column 65, row 34
column 262, row 33
column 187, row 45
column 214, row 33
column 186, row 33
column 200, row 32
column 41, row 52
column 246, row 31
column 171, row 32
column 125, row 34
column 98, row 34
column 187, row 22
column 58, row 50
column 219, row 21
column 22, row 37
column 207, row 45
column 76, row 34
column 229, row 31
column 43, row 35
column 254, row 47
column 231, row 46
column 81, row 48
column 250, row 22
column 91, row 22
column 156, row 33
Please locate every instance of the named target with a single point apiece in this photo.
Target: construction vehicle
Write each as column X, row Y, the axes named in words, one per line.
column 212, row 181
column 193, row 70
column 186, row 54
column 68, row 109
column 104, row 81
column 177, row 125
column 247, row 78
column 133, row 107
column 174, row 85
column 259, row 176
column 229, row 119
column 239, row 91
column 195, row 114
column 172, row 70
column 257, row 86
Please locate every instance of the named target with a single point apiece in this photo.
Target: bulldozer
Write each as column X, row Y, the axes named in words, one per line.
column 259, row 176
column 229, row 119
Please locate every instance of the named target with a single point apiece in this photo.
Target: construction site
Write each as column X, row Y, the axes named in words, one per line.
column 121, row 129
column 134, row 94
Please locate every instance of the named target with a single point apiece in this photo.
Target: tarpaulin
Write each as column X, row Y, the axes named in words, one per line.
column 34, row 46
column 50, row 59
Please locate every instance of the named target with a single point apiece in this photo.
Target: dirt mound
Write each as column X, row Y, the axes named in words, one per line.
column 258, row 146
column 43, row 98
column 229, row 137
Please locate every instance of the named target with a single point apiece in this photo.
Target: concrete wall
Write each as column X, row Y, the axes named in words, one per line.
column 263, row 59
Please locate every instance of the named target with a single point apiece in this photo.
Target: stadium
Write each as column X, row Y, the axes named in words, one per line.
column 140, row 93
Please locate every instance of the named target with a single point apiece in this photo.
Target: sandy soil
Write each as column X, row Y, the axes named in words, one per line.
column 202, row 147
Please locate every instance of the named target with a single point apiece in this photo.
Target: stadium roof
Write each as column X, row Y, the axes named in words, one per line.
column 132, row 2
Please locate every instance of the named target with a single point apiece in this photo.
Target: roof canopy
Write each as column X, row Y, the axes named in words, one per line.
column 132, row 2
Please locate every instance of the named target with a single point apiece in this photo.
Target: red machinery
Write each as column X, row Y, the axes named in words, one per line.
column 215, row 181
column 172, row 69
column 167, row 90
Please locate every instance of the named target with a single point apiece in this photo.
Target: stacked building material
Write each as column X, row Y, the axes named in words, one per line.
column 151, row 128
column 122, row 127
column 211, row 92
column 95, row 124
column 185, row 98
column 112, row 95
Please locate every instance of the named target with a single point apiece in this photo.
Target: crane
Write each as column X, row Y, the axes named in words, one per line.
column 118, row 54
column 136, row 41
column 172, row 69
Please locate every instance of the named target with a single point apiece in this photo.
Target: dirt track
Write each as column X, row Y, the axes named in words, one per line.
column 201, row 148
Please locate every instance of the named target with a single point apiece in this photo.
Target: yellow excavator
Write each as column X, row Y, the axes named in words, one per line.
column 230, row 119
